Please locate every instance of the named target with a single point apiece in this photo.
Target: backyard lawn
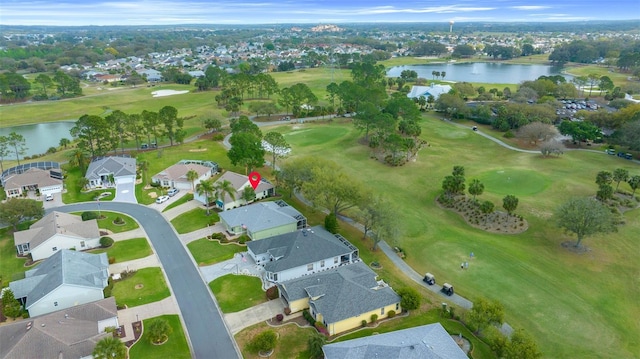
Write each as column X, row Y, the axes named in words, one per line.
column 207, row 252
column 11, row 266
column 147, row 285
column 194, row 219
column 175, row 348
column 127, row 250
column 545, row 289
column 237, row 292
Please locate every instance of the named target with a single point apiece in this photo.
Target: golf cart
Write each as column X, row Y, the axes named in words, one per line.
column 429, row 279
column 447, row 289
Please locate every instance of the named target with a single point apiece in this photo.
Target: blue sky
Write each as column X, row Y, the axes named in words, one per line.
column 165, row 12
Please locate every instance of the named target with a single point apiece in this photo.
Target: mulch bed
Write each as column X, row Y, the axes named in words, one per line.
column 137, row 332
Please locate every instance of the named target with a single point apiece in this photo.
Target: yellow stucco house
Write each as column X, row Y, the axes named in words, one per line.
column 341, row 298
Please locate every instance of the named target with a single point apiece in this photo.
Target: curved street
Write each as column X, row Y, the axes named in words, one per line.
column 205, row 328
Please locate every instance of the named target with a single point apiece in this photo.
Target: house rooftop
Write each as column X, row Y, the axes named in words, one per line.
column 118, row 166
column 239, row 181
column 68, row 333
column 301, row 247
column 32, row 176
column 424, row 342
column 57, row 222
column 341, row 293
column 63, row 267
column 178, row 172
column 261, row 216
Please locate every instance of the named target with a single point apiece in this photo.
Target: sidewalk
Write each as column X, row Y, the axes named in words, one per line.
column 130, row 315
column 254, row 315
column 176, row 211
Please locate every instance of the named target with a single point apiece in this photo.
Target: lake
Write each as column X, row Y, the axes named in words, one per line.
column 486, row 72
column 40, row 137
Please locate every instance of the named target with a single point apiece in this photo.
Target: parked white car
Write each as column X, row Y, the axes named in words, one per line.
column 48, row 197
column 162, row 199
column 172, row 192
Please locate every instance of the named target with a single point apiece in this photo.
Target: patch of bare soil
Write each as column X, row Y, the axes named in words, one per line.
column 571, row 247
column 496, row 222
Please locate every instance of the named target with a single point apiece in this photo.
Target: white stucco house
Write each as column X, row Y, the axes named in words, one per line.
column 262, row 220
column 100, row 171
column 300, row 253
column 69, row 333
column 66, row 279
column 433, row 90
column 30, row 180
column 55, row 232
column 239, row 182
column 176, row 176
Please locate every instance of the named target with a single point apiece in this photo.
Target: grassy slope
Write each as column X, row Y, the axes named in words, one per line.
column 544, row 288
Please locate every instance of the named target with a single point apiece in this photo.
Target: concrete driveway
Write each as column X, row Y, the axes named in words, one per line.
column 126, row 192
column 205, row 327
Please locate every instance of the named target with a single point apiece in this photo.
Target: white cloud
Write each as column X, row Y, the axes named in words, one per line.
column 530, row 7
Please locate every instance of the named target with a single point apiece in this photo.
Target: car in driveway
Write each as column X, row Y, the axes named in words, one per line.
column 610, row 151
column 162, row 199
column 48, row 197
column 172, row 192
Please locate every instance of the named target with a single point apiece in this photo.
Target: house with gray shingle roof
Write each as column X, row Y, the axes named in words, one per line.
column 31, row 179
column 54, row 232
column 66, row 279
column 69, row 333
column 100, row 171
column 301, row 253
column 426, row 91
column 262, row 220
column 239, row 182
column 341, row 298
column 429, row 341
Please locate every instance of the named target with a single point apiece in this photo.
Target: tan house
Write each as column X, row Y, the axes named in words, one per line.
column 176, row 176
column 54, row 232
column 341, row 298
column 239, row 182
column 31, row 180
column 69, row 333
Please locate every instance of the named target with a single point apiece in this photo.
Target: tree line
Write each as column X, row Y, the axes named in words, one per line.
column 14, row 87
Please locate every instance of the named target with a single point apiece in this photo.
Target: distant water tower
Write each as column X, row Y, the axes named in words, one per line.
column 451, row 26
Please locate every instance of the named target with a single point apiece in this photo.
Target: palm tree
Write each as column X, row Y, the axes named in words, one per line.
column 64, row 142
column 205, row 188
column 192, row 176
column 143, row 166
column 159, row 330
column 443, row 74
column 78, row 157
column 110, row 348
column 223, row 188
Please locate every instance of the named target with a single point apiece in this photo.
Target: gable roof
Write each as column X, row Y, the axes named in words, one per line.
column 300, row 248
column 341, row 293
column 261, row 216
column 424, row 342
column 68, row 333
column 63, row 267
column 118, row 166
column 57, row 222
column 434, row 90
column 239, row 181
column 178, row 172
column 32, row 176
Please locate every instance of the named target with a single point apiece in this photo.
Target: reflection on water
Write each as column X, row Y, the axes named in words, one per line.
column 488, row 72
column 40, row 137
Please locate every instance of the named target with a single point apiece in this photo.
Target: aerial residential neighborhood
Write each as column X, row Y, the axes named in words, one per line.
column 390, row 188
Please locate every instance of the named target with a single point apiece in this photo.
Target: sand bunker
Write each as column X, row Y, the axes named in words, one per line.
column 162, row 93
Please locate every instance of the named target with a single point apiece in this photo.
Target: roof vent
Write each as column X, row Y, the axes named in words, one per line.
column 42, row 325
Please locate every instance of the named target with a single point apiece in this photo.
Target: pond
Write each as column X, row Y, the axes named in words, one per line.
column 485, row 72
column 40, row 137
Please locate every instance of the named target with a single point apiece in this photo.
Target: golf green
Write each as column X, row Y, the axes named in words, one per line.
column 312, row 135
column 513, row 181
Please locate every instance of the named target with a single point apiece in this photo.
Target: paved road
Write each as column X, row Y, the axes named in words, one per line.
column 208, row 333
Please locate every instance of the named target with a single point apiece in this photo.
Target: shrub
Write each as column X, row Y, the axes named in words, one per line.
column 89, row 215
column 331, row 223
column 218, row 137
column 363, row 323
column 118, row 220
column 308, row 317
column 106, row 242
column 508, row 134
column 52, row 150
column 391, row 314
column 158, row 330
column 243, row 239
column 410, row 298
column 263, row 342
column 287, row 310
column 374, row 318
column 279, row 317
column 321, row 328
column 112, row 260
column 218, row 236
column 272, row 293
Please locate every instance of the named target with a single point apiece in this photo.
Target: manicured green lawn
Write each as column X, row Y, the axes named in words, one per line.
column 207, row 252
column 11, row 267
column 184, row 199
column 176, row 347
column 107, row 222
column 147, row 285
column 292, row 341
column 194, row 219
column 545, row 289
column 127, row 250
column 237, row 292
